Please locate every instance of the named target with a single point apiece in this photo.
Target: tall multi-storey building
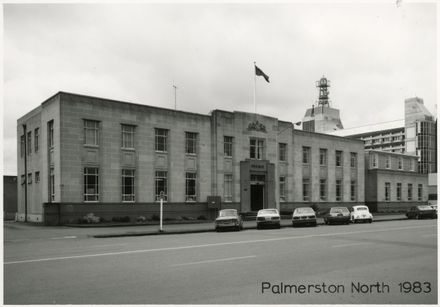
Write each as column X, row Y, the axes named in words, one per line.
column 322, row 118
column 79, row 154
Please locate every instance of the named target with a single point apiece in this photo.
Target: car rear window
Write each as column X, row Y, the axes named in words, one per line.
column 338, row 210
column 271, row 211
column 303, row 210
column 228, row 213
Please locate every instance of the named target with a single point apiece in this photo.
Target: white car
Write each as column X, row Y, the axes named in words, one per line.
column 268, row 217
column 361, row 214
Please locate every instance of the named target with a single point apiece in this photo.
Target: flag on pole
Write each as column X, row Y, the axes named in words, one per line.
column 259, row 72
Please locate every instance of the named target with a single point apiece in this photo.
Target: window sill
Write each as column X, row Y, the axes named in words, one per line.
column 91, row 146
column 128, row 149
column 91, row 201
column 191, row 154
column 161, row 152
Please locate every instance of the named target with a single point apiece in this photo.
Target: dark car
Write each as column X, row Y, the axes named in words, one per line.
column 228, row 219
column 421, row 212
column 337, row 215
column 304, row 216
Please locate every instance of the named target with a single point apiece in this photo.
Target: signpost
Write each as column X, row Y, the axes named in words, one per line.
column 161, row 211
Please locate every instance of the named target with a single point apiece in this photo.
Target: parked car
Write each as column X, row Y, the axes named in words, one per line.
column 268, row 217
column 304, row 216
column 435, row 208
column 228, row 219
column 337, row 215
column 421, row 212
column 361, row 214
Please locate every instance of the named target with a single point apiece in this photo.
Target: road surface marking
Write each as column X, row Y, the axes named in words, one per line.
column 214, row 260
column 214, row 244
column 350, row 244
column 429, row 235
column 65, row 237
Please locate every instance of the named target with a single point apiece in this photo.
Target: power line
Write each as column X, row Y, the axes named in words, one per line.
column 391, row 121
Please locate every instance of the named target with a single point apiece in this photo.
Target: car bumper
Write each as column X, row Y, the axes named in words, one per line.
column 304, row 221
column 338, row 219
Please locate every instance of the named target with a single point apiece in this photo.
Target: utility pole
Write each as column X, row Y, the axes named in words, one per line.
column 175, row 97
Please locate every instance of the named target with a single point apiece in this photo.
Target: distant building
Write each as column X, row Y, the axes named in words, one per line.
column 9, row 197
column 79, row 154
column 392, row 183
column 322, row 118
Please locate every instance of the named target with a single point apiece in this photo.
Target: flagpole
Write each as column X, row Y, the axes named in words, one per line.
column 255, row 90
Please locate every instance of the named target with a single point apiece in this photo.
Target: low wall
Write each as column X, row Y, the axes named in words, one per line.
column 71, row 213
column 393, row 207
column 289, row 207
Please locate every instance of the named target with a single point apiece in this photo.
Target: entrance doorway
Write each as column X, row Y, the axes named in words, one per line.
column 257, row 197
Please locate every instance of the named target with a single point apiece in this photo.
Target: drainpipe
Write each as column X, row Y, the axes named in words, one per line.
column 25, row 173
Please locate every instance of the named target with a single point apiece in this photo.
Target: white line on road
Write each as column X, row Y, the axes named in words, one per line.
column 213, row 260
column 429, row 235
column 350, row 244
column 215, row 244
column 65, row 237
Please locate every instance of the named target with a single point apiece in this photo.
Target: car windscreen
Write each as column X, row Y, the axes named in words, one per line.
column 268, row 211
column 362, row 209
column 424, row 207
column 303, row 210
column 228, row 213
column 339, row 210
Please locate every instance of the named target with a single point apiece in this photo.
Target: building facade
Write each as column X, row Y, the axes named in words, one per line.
column 9, row 197
column 80, row 154
column 392, row 182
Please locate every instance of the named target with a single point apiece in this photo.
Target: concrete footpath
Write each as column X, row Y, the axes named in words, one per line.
column 146, row 230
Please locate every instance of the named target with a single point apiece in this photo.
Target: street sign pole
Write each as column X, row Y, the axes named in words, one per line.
column 161, row 211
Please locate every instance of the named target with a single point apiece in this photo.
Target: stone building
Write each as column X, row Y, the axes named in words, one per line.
column 392, row 183
column 79, row 154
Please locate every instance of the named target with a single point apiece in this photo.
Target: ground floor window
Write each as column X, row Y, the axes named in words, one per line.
column 161, row 182
column 52, row 184
column 353, row 190
column 387, row 191
column 282, row 188
column 228, row 188
column 91, row 186
column 420, row 192
column 190, row 187
column 127, row 185
column 409, row 191
column 306, row 189
column 338, row 190
column 323, row 189
column 399, row 191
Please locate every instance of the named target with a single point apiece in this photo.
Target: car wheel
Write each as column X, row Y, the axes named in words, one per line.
column 370, row 221
column 258, row 226
column 315, row 224
column 418, row 217
column 293, row 224
column 279, row 226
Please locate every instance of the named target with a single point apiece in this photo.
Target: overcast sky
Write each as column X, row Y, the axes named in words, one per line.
column 375, row 56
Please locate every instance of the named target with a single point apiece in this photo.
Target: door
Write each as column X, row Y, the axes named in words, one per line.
column 257, row 197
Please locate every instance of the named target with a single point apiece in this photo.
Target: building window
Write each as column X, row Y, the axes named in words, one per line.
column 413, row 165
column 161, row 179
column 374, row 160
column 228, row 188
column 161, row 140
column 50, row 134
column 399, row 191
column 323, row 189
column 306, row 189
column 29, row 142
column 353, row 190
column 322, row 157
column 127, row 136
column 128, row 185
column 400, row 163
column 353, row 160
column 29, row 181
column 190, row 187
column 282, row 151
column 387, row 162
column 338, row 158
column 36, row 139
column 51, row 184
column 23, row 179
column 410, row 188
column 22, row 140
column 282, row 188
column 91, row 186
column 91, row 132
column 227, row 145
column 306, row 155
column 191, row 143
column 387, row 191
column 338, row 190
column 256, row 149
column 37, row 177
column 420, row 192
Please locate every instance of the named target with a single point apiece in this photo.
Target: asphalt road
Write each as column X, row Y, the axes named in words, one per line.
column 361, row 263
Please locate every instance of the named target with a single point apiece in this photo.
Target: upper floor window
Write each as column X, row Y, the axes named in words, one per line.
column 29, row 142
column 36, row 139
column 190, row 143
column 353, row 159
column 256, row 149
column 338, row 158
column 306, row 155
column 161, row 140
column 282, row 151
column 22, row 145
column 127, row 136
column 91, row 132
column 37, row 177
column 387, row 162
column 374, row 160
column 50, row 134
column 413, row 165
column 227, row 145
column 322, row 157
column 400, row 163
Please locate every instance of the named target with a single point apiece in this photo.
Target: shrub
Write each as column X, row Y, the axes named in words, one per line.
column 90, row 218
column 201, row 217
column 141, row 219
column 155, row 217
column 122, row 219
